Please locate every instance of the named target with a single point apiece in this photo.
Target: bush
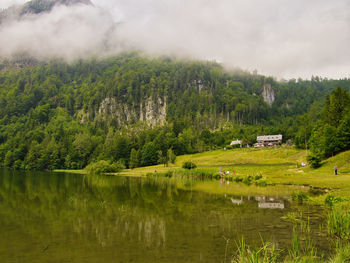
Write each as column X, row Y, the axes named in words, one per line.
column 261, row 183
column 300, row 197
column 248, row 180
column 189, row 165
column 331, row 200
column 104, row 167
column 238, row 179
column 258, row 177
column 314, row 160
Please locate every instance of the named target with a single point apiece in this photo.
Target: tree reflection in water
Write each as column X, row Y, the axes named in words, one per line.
column 48, row 217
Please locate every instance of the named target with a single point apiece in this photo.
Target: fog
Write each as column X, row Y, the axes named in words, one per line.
column 285, row 39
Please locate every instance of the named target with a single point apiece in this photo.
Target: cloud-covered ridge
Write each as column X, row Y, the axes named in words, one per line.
column 276, row 37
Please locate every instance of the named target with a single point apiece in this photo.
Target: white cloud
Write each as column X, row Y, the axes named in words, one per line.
column 278, row 37
column 6, row 3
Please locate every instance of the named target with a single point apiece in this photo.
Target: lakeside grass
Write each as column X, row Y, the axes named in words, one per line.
column 276, row 165
column 70, row 171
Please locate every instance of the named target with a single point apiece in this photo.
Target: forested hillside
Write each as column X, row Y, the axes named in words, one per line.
column 137, row 111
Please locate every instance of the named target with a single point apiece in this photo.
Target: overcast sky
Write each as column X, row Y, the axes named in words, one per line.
column 282, row 38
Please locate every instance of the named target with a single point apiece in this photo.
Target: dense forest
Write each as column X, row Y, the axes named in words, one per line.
column 136, row 111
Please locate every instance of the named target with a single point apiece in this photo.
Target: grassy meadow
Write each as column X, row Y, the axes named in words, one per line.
column 279, row 167
column 276, row 165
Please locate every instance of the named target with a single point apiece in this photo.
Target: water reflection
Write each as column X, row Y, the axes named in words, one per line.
column 266, row 202
column 270, row 202
column 237, row 201
column 47, row 217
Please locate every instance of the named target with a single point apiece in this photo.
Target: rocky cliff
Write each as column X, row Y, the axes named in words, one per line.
column 268, row 94
column 150, row 111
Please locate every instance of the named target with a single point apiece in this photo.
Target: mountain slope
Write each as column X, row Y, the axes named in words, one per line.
column 35, row 7
column 59, row 115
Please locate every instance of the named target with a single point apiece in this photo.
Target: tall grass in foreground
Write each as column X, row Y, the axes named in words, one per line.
column 338, row 222
column 302, row 247
column 342, row 253
column 265, row 254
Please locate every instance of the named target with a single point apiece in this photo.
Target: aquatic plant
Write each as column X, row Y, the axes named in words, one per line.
column 267, row 253
column 342, row 253
column 338, row 222
column 300, row 197
column 331, row 200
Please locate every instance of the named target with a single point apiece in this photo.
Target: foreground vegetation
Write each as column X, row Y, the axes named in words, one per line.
column 303, row 248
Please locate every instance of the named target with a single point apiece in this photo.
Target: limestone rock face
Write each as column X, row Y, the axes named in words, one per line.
column 268, row 94
column 150, row 111
column 154, row 112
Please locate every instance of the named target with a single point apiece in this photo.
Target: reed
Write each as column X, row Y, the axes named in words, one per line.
column 338, row 222
column 342, row 253
column 267, row 253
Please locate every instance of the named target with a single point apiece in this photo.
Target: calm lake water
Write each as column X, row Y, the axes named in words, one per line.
column 50, row 217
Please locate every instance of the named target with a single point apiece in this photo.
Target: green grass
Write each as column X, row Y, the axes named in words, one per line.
column 338, row 222
column 70, row 171
column 276, row 165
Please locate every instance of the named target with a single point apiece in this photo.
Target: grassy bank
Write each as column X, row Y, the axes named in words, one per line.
column 277, row 165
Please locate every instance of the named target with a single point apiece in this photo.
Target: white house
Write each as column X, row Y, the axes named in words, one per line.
column 236, row 142
column 268, row 140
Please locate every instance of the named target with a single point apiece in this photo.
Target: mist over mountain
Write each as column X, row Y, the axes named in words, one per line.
column 280, row 38
column 17, row 12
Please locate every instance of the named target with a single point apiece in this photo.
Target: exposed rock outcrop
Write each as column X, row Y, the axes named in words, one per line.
column 268, row 94
column 153, row 112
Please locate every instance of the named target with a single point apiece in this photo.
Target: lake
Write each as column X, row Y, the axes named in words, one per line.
column 58, row 217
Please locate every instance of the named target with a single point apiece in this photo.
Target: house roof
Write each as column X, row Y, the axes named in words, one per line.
column 269, row 137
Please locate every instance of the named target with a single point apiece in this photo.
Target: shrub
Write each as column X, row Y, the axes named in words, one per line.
column 238, row 179
column 261, row 183
column 189, row 165
column 314, row 160
column 248, row 179
column 300, row 197
column 258, row 177
column 104, row 167
column 331, row 200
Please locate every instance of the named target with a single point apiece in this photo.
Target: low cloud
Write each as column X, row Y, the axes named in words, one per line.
column 286, row 39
